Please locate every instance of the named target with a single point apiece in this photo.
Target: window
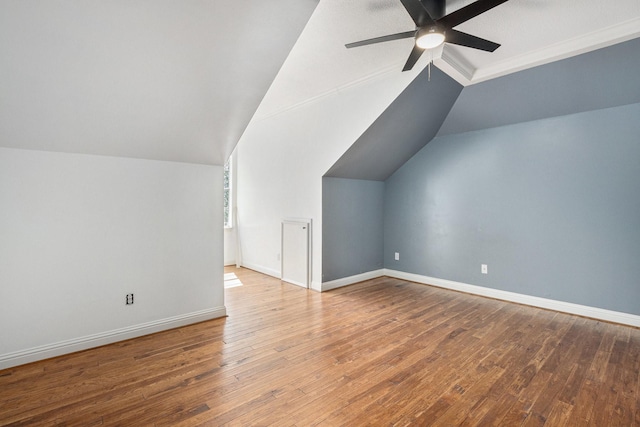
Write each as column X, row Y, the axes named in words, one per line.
column 228, row 216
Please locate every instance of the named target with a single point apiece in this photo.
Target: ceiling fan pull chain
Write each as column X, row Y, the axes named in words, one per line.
column 429, row 66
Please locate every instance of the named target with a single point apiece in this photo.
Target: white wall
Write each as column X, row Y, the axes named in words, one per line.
column 229, row 246
column 313, row 112
column 283, row 157
column 79, row 232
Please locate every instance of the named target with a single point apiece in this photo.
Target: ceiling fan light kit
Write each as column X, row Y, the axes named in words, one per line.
column 432, row 31
column 429, row 38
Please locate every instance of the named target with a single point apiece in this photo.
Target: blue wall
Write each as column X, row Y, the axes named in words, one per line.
column 352, row 227
column 552, row 206
column 603, row 78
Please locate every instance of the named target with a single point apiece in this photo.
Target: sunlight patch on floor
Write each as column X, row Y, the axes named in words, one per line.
column 231, row 280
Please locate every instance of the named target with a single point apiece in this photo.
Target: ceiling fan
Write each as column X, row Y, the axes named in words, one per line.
column 434, row 29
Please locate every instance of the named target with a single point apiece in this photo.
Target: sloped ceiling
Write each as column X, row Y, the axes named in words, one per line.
column 579, row 57
column 532, row 32
column 180, row 80
column 536, row 32
column 154, row 79
column 600, row 79
column 594, row 80
column 401, row 130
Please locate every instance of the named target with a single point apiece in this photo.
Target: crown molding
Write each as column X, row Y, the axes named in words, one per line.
column 363, row 80
column 455, row 65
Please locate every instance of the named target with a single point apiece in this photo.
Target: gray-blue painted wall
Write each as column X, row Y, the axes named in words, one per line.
column 552, row 206
column 352, row 227
column 595, row 80
column 407, row 125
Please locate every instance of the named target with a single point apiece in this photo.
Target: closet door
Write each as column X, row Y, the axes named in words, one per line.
column 296, row 250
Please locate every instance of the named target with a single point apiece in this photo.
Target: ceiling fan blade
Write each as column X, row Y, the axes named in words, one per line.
column 435, row 8
column 418, row 12
column 468, row 12
column 413, row 58
column 381, row 39
column 464, row 39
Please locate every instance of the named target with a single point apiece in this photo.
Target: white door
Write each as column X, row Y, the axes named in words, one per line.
column 296, row 252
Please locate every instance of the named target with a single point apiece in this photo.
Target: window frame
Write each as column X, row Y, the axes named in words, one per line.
column 227, row 193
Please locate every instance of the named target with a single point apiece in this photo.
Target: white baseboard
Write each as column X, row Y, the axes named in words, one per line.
column 34, row 354
column 345, row 281
column 261, row 269
column 561, row 306
column 315, row 286
column 295, row 282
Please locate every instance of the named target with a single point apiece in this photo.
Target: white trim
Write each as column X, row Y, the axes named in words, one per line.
column 454, row 64
column 316, row 286
column 230, row 163
column 307, row 223
column 293, row 282
column 261, row 269
column 29, row 355
column 374, row 75
column 561, row 306
column 586, row 43
column 346, row 281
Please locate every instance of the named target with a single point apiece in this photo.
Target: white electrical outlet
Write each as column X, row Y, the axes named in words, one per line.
column 483, row 268
column 397, row 256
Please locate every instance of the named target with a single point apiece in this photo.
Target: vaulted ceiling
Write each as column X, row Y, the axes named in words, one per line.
column 153, row 79
column 532, row 32
column 181, row 80
column 599, row 79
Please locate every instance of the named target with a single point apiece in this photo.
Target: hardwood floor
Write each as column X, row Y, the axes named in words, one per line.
column 382, row 352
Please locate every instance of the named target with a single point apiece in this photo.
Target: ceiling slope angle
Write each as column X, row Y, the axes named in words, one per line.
column 407, row 125
column 531, row 33
column 417, row 114
column 600, row 79
column 160, row 80
column 536, row 32
column 320, row 66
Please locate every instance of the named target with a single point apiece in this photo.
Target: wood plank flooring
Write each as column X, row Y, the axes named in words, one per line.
column 383, row 352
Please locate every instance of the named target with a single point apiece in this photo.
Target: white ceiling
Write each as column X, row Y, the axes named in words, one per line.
column 535, row 32
column 532, row 32
column 180, row 80
column 154, row 79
